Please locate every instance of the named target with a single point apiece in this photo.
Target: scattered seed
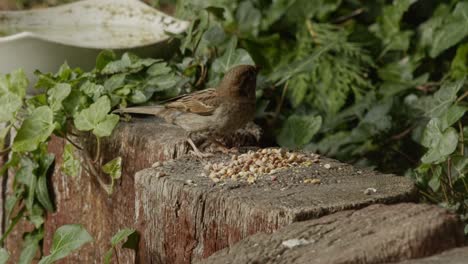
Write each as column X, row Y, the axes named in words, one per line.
column 312, row 181
column 249, row 166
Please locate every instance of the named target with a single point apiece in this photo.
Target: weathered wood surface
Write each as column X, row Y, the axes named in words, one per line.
column 140, row 143
column 454, row 256
column 375, row 234
column 184, row 216
column 82, row 200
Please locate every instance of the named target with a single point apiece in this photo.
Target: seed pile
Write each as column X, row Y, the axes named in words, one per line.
column 250, row 165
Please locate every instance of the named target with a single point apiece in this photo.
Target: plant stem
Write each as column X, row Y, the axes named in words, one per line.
column 283, row 95
column 449, row 174
column 98, row 150
column 463, row 96
column 462, row 139
column 428, row 196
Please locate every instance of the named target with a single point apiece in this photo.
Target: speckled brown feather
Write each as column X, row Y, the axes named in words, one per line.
column 220, row 110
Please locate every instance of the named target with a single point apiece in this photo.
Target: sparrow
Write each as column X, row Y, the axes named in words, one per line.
column 213, row 112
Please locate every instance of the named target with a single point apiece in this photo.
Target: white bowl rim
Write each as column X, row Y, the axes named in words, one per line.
column 32, row 35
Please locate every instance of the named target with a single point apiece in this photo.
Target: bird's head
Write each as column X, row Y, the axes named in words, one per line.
column 240, row 81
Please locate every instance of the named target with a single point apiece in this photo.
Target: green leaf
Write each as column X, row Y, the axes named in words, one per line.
column 449, row 30
column 451, row 116
column 299, row 130
column 92, row 90
column 113, row 168
column 232, row 57
column 104, row 58
column 70, row 165
column 459, row 66
column 307, row 64
column 159, row 69
column 114, row 82
column 436, row 105
column 18, row 83
column 214, row 35
column 440, row 143
column 298, row 86
column 35, row 129
column 57, row 94
column 67, row 239
column 434, row 183
column 120, row 236
column 30, row 247
column 27, row 176
column 42, row 193
column 9, row 104
column 106, row 126
column 95, row 118
column 127, row 64
column 248, row 17
column 387, row 27
column 4, row 256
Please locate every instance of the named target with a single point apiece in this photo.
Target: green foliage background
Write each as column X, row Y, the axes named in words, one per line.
column 375, row 83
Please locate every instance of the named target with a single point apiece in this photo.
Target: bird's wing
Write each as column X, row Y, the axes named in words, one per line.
column 144, row 110
column 202, row 102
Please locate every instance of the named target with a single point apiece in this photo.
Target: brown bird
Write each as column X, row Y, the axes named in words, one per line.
column 212, row 112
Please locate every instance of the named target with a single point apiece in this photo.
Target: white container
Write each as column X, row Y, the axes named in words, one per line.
column 44, row 38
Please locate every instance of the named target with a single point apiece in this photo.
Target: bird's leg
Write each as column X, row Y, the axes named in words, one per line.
column 221, row 147
column 196, row 151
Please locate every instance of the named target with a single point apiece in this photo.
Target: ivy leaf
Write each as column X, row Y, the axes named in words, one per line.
column 451, row 116
column 92, row 90
column 67, row 239
column 104, row 58
column 248, row 17
column 159, row 69
column 214, row 35
column 120, row 236
column 232, row 57
column 434, row 182
column 35, row 129
column 4, row 256
column 9, row 104
column 298, row 130
column 95, row 118
column 459, row 167
column 42, row 192
column 70, row 165
column 113, row 168
column 452, row 29
column 106, row 126
column 57, row 94
column 437, row 104
column 128, row 63
column 30, row 247
column 441, row 143
column 114, row 82
column 27, row 176
column 459, row 66
column 15, row 83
